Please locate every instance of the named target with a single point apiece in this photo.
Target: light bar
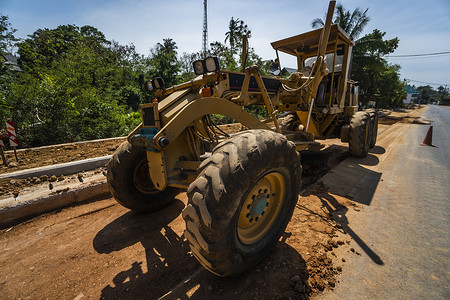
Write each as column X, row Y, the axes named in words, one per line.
column 208, row 65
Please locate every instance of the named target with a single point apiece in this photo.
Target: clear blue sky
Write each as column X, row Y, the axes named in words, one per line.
column 422, row 26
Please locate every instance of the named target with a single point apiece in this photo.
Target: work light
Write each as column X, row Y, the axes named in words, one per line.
column 158, row 83
column 208, row 65
column 212, row 64
column 198, row 67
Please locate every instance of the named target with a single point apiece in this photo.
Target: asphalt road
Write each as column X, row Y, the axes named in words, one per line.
column 403, row 230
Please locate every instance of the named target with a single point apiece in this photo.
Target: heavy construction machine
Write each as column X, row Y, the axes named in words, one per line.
column 242, row 188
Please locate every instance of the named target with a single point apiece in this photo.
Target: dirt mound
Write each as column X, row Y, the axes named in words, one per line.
column 50, row 155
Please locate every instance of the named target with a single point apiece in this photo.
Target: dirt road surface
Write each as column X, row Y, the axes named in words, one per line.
column 102, row 250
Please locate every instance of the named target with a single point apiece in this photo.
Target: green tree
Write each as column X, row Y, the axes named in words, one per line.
column 7, row 37
column 371, row 69
column 7, row 76
column 390, row 88
column 378, row 80
column 443, row 95
column 75, row 85
column 236, row 30
column 164, row 62
column 44, row 46
column 224, row 54
column 230, row 57
column 430, row 95
column 352, row 22
column 186, row 61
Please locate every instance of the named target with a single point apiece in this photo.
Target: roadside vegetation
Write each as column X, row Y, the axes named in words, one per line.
column 70, row 83
column 426, row 94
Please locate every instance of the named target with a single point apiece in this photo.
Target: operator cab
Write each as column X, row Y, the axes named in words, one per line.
column 305, row 48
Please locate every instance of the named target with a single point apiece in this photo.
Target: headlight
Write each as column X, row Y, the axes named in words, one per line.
column 158, row 83
column 212, row 64
column 208, row 65
column 198, row 67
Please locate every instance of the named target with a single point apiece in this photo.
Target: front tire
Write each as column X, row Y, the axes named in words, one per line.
column 130, row 183
column 290, row 123
column 242, row 201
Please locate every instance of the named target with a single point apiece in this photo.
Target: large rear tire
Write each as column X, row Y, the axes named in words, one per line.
column 129, row 181
column 242, row 201
column 373, row 127
column 359, row 134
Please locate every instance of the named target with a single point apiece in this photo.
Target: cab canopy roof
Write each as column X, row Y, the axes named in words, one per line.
column 307, row 43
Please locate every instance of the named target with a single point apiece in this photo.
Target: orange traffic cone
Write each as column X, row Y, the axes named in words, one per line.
column 427, row 141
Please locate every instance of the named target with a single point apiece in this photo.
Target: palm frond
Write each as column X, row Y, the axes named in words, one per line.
column 317, row 23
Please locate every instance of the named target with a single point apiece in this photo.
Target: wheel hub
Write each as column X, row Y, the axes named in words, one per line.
column 261, row 208
column 258, row 206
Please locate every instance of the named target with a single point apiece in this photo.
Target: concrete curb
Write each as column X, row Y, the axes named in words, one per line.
column 61, row 169
column 26, row 210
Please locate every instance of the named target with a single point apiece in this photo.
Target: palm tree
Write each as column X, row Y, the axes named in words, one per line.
column 237, row 29
column 230, row 35
column 168, row 46
column 352, row 23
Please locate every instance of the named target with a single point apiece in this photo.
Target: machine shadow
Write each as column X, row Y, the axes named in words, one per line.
column 170, row 271
column 271, row 279
column 357, row 183
column 338, row 212
column 166, row 254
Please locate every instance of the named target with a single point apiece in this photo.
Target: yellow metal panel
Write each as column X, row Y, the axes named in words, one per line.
column 327, row 122
column 303, row 115
column 204, row 106
column 157, row 167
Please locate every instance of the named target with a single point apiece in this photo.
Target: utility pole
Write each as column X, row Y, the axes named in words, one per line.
column 205, row 29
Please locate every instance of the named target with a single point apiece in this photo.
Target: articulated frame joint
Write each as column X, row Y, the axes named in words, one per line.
column 145, row 139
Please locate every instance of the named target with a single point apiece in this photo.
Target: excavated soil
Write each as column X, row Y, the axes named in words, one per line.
column 102, row 250
column 51, row 155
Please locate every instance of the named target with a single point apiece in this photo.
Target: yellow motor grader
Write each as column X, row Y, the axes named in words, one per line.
column 242, row 188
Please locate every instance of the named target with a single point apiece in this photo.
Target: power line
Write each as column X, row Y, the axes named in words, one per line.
column 418, row 55
column 440, row 84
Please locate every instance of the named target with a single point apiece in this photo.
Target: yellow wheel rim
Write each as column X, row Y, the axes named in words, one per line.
column 261, row 208
column 142, row 180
